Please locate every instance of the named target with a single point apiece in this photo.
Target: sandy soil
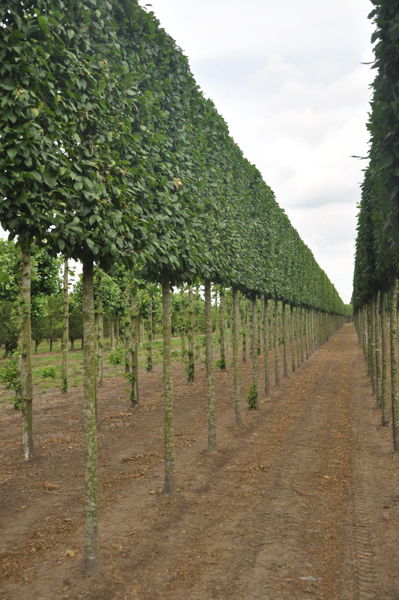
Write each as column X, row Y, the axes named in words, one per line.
column 300, row 502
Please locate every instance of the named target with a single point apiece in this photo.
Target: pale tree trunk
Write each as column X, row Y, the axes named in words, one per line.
column 182, row 331
column 373, row 346
column 383, row 327
column 209, row 370
column 276, row 344
column 302, row 333
column 285, row 341
column 253, row 396
column 65, row 332
column 25, row 354
column 377, row 349
column 394, row 365
column 127, row 332
column 222, row 322
column 111, row 334
column 149, row 335
column 117, row 332
column 100, row 335
column 191, row 361
column 293, row 336
column 169, row 483
column 134, row 349
column 266, row 344
column 244, row 331
column 91, row 551
column 236, row 367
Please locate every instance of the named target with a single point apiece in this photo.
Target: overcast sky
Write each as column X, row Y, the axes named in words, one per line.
column 289, row 80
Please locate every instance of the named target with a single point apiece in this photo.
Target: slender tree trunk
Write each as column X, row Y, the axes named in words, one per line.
column 372, row 355
column 293, row 336
column 36, row 348
column 100, row 336
column 383, row 327
column 25, row 353
column 91, row 552
column 134, row 349
column 285, row 340
column 50, row 344
column 244, row 332
column 378, row 356
column 191, row 358
column 394, row 365
column 276, row 344
column 72, row 345
column 209, row 370
column 149, row 335
column 222, row 338
column 266, row 344
column 236, row 368
column 111, row 334
column 117, row 331
column 169, row 484
column 253, row 396
column 65, row 332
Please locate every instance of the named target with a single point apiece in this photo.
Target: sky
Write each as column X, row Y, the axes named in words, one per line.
column 289, row 80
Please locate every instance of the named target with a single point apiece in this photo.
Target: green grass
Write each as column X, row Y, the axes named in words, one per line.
column 44, row 363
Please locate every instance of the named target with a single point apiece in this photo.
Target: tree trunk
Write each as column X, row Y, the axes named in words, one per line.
column 276, row 344
column 209, row 370
column 25, row 353
column 253, row 399
column 134, row 349
column 293, row 336
column 222, row 322
column 111, row 334
column 36, row 347
column 285, row 340
column 383, row 327
column 100, row 336
column 266, row 344
column 378, row 348
column 149, row 335
column 236, row 367
column 169, row 484
column 65, row 332
column 50, row 344
column 91, row 552
column 394, row 365
column 191, row 361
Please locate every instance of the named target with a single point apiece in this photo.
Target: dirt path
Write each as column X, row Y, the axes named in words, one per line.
column 301, row 502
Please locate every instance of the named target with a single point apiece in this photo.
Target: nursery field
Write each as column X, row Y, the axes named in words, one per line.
column 299, row 502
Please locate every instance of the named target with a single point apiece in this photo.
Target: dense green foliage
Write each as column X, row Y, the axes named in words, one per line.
column 111, row 151
column 377, row 246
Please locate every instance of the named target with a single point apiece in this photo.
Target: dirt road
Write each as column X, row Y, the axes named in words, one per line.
column 301, row 502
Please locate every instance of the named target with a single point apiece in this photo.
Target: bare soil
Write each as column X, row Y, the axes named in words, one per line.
column 300, row 502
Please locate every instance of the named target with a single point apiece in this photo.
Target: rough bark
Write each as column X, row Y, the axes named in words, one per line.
column 253, row 396
column 169, row 483
column 292, row 336
column 222, row 327
column 149, row 335
column 285, row 341
column 266, row 344
column 65, row 331
column 100, row 336
column 91, row 551
column 394, row 365
column 190, row 332
column 384, row 362
column 25, row 355
column 236, row 368
column 209, row 370
column 276, row 344
column 134, row 349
